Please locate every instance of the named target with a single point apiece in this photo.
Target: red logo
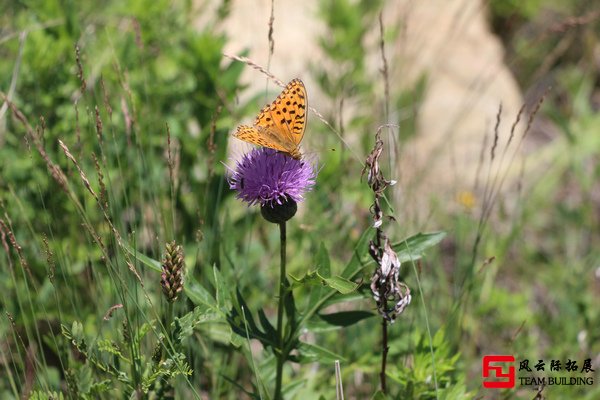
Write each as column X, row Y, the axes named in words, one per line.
column 500, row 379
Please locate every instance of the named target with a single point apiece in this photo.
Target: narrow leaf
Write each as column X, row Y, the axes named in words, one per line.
column 313, row 353
column 264, row 321
column 290, row 306
column 330, row 322
column 346, row 318
column 413, row 248
column 223, row 294
column 144, row 259
column 323, row 262
column 379, row 395
column 360, row 256
column 198, row 294
column 340, row 284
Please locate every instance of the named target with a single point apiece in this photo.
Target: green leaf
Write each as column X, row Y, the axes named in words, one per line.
column 291, row 389
column 239, row 386
column 414, row 247
column 311, row 278
column 197, row 316
column 222, row 292
column 359, row 294
column 313, row 353
column 241, row 316
column 107, row 346
column 144, row 259
column 99, row 387
column 290, row 306
column 316, row 294
column 143, row 330
column 199, row 295
column 38, row 395
column 359, row 258
column 346, row 318
column 84, row 379
column 379, row 395
column 241, row 321
column 221, row 333
column 323, row 262
column 329, row 322
column 77, row 331
column 264, row 321
column 340, row 284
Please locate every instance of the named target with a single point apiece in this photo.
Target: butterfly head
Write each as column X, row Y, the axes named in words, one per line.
column 295, row 154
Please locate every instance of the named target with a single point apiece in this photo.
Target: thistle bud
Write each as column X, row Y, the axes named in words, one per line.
column 279, row 213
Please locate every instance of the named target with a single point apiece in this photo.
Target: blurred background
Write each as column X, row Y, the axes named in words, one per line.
column 493, row 136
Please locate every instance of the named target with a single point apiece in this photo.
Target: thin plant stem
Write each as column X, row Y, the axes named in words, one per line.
column 384, row 353
column 167, row 388
column 282, row 288
column 168, row 320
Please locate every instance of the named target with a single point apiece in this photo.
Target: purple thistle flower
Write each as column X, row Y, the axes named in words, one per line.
column 267, row 177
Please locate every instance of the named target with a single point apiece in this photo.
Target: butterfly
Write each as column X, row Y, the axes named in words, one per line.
column 281, row 124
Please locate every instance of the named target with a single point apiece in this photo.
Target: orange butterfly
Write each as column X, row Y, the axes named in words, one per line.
column 281, row 124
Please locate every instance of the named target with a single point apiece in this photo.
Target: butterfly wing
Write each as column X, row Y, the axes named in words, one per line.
column 261, row 136
column 287, row 114
column 281, row 124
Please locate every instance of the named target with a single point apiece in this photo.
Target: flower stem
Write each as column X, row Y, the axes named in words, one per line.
column 384, row 353
column 168, row 320
column 282, row 291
